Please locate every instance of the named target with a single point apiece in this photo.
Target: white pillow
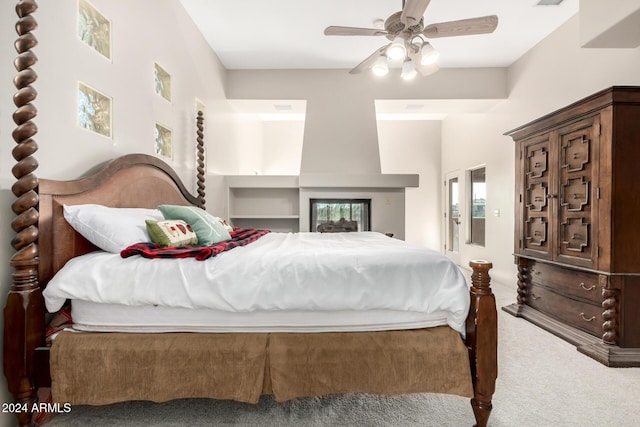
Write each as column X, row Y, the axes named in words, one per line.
column 111, row 229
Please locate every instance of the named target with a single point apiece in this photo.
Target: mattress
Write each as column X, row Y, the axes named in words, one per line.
column 279, row 274
column 98, row 317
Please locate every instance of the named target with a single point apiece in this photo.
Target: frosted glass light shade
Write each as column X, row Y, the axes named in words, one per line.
column 428, row 54
column 396, row 49
column 380, row 68
column 408, row 70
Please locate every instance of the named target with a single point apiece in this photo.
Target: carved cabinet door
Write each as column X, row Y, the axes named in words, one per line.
column 558, row 175
column 578, row 192
column 538, row 177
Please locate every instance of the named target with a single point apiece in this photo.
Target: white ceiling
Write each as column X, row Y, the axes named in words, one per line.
column 288, row 34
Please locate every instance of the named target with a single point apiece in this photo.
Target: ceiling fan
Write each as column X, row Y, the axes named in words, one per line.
column 408, row 35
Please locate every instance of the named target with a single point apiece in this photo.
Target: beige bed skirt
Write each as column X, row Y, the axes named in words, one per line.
column 103, row 368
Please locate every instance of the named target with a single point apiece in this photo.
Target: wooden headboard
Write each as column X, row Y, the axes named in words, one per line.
column 124, row 182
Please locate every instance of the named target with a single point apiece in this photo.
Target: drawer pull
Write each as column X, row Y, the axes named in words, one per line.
column 591, row 319
column 590, row 288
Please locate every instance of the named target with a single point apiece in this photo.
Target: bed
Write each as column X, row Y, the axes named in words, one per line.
column 397, row 349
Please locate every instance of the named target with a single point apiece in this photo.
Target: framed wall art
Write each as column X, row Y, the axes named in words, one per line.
column 94, row 29
column 163, row 146
column 162, row 81
column 94, row 110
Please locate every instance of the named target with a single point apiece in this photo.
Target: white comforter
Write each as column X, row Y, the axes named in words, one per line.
column 280, row 271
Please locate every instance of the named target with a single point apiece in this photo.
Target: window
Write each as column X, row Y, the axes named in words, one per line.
column 478, row 202
column 335, row 212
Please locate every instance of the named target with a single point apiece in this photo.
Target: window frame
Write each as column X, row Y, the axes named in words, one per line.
column 475, row 239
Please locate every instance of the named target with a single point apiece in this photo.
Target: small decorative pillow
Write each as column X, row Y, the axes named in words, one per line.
column 171, row 233
column 208, row 228
column 226, row 224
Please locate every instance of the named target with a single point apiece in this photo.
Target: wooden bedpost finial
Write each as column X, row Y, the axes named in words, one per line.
column 200, row 167
column 480, row 278
column 24, row 309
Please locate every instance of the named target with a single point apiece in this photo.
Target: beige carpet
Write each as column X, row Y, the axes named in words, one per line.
column 542, row 382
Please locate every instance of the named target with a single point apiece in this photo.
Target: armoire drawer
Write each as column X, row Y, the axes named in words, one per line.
column 573, row 283
column 579, row 314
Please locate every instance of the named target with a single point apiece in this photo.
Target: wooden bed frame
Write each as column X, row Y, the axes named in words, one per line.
column 44, row 241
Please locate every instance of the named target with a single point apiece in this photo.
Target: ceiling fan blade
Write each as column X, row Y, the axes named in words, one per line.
column 413, row 11
column 353, row 31
column 463, row 27
column 369, row 61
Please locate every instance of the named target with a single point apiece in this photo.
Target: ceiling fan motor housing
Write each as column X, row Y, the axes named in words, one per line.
column 394, row 26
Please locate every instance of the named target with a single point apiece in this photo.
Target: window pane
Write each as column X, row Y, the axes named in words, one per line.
column 478, row 203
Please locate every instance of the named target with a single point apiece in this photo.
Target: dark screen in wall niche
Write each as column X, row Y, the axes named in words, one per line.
column 339, row 215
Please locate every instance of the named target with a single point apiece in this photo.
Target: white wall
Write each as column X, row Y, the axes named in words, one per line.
column 413, row 146
column 143, row 32
column 602, row 25
column 341, row 107
column 128, row 78
column 464, row 148
column 249, row 145
column 398, row 148
column 387, row 206
column 282, row 147
column 553, row 74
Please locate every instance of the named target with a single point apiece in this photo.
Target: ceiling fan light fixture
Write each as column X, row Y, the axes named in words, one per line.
column 408, row 70
column 397, row 49
column 428, row 55
column 380, row 68
column 408, row 35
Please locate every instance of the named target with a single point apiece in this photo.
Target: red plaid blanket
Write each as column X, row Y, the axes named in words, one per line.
column 239, row 237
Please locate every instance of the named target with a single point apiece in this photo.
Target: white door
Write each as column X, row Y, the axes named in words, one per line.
column 453, row 215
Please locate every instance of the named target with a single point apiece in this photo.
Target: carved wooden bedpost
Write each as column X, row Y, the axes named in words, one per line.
column 24, row 310
column 482, row 341
column 200, row 168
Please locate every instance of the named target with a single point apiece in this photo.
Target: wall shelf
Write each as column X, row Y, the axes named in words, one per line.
column 281, row 202
column 264, row 201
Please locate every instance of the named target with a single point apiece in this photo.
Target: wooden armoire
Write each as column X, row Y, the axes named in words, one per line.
column 577, row 225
